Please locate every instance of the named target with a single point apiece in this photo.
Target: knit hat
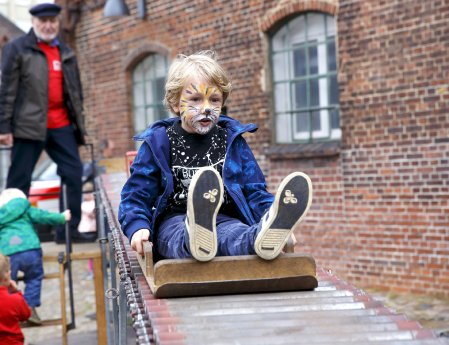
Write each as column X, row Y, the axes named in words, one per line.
column 11, row 193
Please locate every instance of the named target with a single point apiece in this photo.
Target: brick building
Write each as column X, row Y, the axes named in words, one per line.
column 375, row 143
column 8, row 31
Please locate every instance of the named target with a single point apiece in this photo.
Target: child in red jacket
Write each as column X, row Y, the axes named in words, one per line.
column 14, row 308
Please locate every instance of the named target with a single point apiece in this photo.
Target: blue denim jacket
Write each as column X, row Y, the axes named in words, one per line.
column 145, row 194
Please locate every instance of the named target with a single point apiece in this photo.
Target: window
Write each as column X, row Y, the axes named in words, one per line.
column 306, row 99
column 148, row 91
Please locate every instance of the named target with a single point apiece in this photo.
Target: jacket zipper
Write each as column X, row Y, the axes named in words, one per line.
column 243, row 206
column 164, row 194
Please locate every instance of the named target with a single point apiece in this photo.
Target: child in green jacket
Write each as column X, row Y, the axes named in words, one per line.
column 19, row 241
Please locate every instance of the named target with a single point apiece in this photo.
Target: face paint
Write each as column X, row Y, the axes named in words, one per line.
column 199, row 106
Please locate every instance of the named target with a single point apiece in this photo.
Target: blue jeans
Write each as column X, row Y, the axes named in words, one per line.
column 30, row 263
column 233, row 237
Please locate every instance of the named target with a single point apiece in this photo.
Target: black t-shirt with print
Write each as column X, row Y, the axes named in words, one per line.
column 188, row 153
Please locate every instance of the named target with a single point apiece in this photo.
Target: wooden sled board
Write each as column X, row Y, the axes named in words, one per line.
column 228, row 275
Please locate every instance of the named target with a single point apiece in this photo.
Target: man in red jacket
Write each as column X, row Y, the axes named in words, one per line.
column 41, row 108
column 14, row 308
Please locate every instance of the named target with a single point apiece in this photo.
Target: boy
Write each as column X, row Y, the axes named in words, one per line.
column 20, row 242
column 195, row 188
column 14, row 307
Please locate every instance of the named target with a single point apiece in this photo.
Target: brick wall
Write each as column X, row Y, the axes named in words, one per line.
column 380, row 211
column 394, row 97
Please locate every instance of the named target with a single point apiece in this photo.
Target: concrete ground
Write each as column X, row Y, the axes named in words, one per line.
column 85, row 331
column 431, row 312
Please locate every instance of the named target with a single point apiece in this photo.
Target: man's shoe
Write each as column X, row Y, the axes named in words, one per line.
column 83, row 237
column 59, row 240
column 203, row 202
column 34, row 319
column 78, row 237
column 292, row 201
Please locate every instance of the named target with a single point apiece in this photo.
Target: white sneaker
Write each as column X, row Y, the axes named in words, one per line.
column 203, row 202
column 292, row 201
column 34, row 319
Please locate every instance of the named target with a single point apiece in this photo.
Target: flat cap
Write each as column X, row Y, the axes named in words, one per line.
column 45, row 10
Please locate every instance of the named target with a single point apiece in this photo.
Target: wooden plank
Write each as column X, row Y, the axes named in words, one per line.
column 227, row 275
column 233, row 287
column 233, row 268
column 63, row 302
column 54, row 275
column 84, row 255
column 99, row 298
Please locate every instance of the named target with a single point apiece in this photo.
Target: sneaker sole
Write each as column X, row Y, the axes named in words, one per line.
column 292, row 201
column 203, row 202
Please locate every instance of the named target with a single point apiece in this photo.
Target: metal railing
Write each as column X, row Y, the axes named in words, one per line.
column 122, row 299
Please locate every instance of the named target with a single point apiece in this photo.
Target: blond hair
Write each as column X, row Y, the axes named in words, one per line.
column 4, row 268
column 203, row 65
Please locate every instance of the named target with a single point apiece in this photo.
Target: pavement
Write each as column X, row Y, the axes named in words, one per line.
column 85, row 331
column 430, row 311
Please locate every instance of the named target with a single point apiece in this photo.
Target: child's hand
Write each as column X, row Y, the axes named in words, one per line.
column 12, row 287
column 138, row 239
column 293, row 237
column 290, row 245
column 67, row 215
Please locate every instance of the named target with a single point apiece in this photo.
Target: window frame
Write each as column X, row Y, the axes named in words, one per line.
column 142, row 80
column 286, row 79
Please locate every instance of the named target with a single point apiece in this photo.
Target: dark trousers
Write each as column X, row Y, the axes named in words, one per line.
column 62, row 148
